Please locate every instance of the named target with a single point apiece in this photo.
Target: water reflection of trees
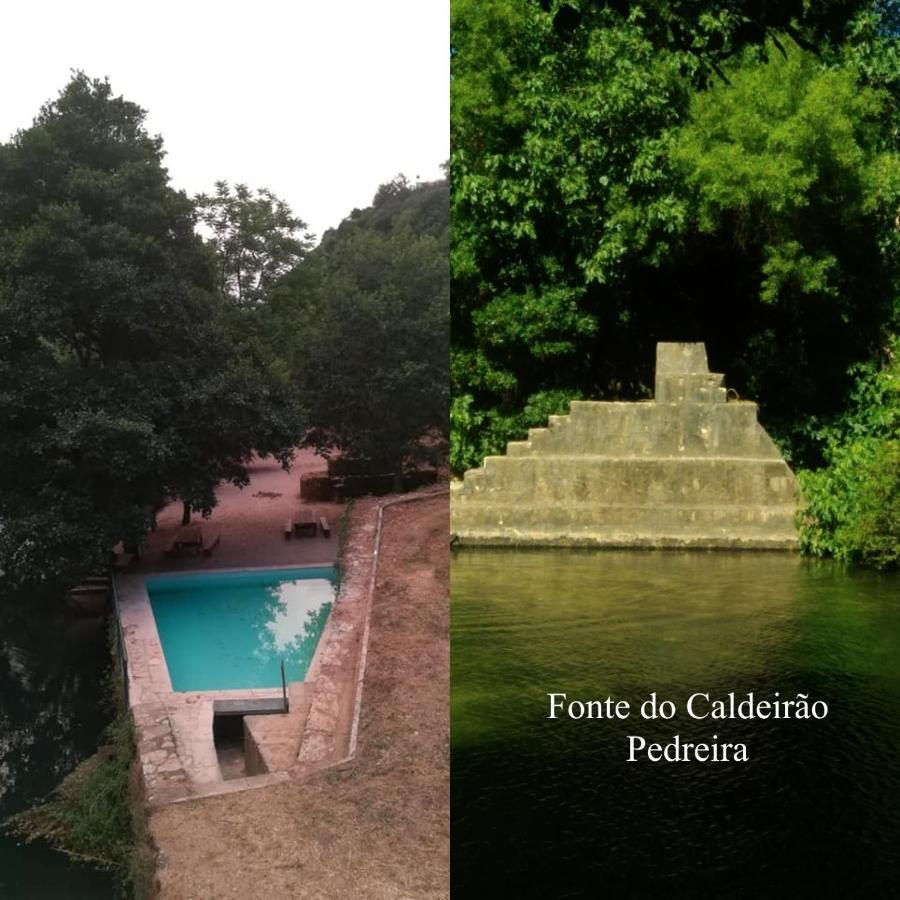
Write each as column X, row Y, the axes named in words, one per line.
column 288, row 626
column 51, row 714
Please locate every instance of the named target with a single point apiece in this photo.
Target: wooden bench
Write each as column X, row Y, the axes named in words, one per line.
column 288, row 529
column 326, row 528
column 208, row 548
column 189, row 540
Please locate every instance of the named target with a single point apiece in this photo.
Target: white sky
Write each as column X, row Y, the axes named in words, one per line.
column 319, row 101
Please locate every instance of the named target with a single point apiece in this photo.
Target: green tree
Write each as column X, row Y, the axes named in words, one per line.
column 788, row 185
column 256, row 237
column 852, row 505
column 119, row 384
column 611, row 190
column 554, row 130
column 363, row 325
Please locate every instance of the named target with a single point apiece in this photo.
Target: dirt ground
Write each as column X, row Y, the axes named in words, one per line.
column 377, row 827
column 250, row 523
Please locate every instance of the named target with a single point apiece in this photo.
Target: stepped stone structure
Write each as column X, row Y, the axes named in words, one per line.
column 687, row 469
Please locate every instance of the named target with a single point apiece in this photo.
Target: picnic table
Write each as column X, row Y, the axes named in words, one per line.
column 304, row 524
column 189, row 538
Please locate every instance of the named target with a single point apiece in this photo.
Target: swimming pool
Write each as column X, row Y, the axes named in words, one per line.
column 229, row 630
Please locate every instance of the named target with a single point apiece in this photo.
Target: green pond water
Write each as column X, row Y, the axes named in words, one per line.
column 52, row 714
column 551, row 808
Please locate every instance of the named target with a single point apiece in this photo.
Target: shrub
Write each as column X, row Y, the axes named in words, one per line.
column 852, row 505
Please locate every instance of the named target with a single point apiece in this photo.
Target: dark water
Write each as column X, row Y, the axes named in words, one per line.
column 551, row 809
column 51, row 717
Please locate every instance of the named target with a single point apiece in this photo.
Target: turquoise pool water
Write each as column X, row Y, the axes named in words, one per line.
column 229, row 630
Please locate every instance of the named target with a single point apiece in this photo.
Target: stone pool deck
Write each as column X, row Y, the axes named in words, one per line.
column 174, row 729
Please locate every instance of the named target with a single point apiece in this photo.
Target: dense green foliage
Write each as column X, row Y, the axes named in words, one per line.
column 140, row 363
column 257, row 240
column 853, row 504
column 361, row 325
column 626, row 173
column 120, row 384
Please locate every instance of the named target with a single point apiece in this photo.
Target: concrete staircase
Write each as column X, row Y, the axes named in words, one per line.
column 688, row 469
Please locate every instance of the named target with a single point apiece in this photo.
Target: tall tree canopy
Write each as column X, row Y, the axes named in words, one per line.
column 119, row 385
column 257, row 240
column 623, row 174
column 362, row 325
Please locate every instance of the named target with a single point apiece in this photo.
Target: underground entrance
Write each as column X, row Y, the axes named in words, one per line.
column 235, row 748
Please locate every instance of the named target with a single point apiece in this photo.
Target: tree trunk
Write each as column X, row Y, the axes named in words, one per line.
column 186, row 515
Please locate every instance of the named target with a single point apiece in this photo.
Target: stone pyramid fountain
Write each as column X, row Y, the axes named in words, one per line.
column 687, row 469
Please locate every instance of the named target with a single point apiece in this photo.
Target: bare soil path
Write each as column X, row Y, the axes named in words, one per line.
column 377, row 827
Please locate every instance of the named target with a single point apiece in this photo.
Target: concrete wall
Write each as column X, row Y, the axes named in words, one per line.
column 254, row 761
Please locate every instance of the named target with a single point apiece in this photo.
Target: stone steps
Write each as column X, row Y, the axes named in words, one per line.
column 757, row 527
column 538, row 480
column 650, row 428
column 518, row 448
column 472, row 480
column 685, row 469
column 638, row 518
column 756, row 539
